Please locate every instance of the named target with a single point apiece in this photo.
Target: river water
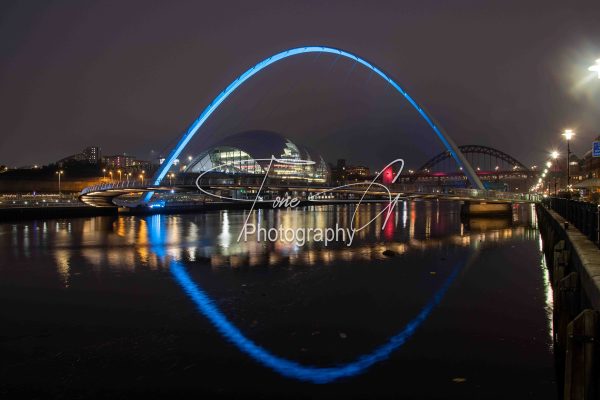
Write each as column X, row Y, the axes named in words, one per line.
column 174, row 305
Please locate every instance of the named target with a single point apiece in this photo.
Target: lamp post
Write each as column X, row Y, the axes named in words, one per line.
column 59, row 173
column 568, row 135
column 111, row 175
column 104, row 173
column 119, row 171
column 554, row 156
column 595, row 68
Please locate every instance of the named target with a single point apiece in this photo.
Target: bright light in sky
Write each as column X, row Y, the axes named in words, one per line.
column 596, row 68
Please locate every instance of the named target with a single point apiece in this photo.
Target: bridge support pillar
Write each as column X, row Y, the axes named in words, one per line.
column 482, row 208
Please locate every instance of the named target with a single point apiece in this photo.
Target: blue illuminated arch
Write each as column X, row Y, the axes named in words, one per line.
column 189, row 134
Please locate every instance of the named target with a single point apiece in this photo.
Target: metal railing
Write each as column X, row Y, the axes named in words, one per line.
column 582, row 215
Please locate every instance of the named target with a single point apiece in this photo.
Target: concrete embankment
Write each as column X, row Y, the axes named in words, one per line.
column 574, row 265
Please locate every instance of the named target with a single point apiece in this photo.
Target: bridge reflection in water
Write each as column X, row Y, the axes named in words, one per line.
column 158, row 239
column 387, row 306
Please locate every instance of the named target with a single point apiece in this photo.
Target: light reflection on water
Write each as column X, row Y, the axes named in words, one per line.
column 283, row 366
column 194, row 237
column 179, row 246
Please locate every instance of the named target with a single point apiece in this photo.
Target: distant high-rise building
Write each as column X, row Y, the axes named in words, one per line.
column 92, row 154
column 338, row 173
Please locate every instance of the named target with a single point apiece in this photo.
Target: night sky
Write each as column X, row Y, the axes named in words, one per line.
column 130, row 76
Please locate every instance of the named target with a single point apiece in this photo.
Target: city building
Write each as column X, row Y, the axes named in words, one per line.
column 584, row 172
column 250, row 153
column 118, row 161
column 341, row 173
column 357, row 172
column 90, row 154
column 338, row 172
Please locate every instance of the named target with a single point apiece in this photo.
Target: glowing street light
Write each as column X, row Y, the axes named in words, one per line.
column 548, row 164
column 554, row 155
column 103, row 173
column 596, row 68
column 568, row 135
column 142, row 179
column 59, row 173
column 119, row 171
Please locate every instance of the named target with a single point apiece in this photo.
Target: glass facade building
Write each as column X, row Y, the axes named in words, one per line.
column 251, row 152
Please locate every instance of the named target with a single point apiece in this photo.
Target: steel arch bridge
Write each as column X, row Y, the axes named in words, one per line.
column 450, row 146
column 472, row 149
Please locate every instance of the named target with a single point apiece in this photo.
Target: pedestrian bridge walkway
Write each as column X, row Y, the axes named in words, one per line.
column 107, row 195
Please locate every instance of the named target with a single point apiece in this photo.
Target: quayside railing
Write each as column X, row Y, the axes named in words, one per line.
column 582, row 215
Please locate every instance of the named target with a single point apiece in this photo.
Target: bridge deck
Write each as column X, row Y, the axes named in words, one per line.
column 106, row 194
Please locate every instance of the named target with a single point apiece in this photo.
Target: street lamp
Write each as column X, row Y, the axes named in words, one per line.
column 59, row 173
column 111, row 175
column 142, row 179
column 568, row 135
column 103, row 173
column 595, row 68
column 119, row 171
column 554, row 155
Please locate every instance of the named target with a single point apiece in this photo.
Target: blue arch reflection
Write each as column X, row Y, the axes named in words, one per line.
column 283, row 366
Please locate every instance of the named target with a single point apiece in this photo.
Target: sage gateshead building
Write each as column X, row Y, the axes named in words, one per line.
column 249, row 154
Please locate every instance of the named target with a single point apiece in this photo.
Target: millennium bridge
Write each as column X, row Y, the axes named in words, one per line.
column 570, row 229
column 106, row 195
